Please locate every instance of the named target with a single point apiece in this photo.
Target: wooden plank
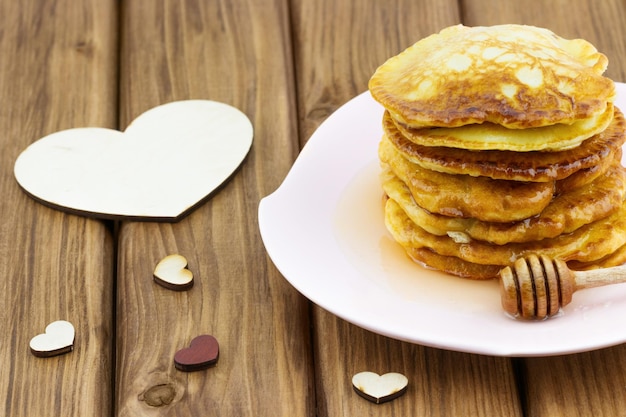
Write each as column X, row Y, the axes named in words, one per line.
column 576, row 385
column 237, row 52
column 54, row 75
column 339, row 45
column 581, row 384
column 441, row 382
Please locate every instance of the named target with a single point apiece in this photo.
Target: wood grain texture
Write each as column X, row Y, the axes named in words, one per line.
column 236, row 52
column 576, row 385
column 55, row 266
column 441, row 383
column 338, row 47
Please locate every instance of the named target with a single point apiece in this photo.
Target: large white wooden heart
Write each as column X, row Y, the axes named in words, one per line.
column 168, row 160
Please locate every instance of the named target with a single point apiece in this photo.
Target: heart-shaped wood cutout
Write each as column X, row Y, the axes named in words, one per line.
column 169, row 160
column 57, row 339
column 380, row 388
column 202, row 353
column 171, row 272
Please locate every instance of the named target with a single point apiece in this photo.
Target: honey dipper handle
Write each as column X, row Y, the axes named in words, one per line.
column 598, row 277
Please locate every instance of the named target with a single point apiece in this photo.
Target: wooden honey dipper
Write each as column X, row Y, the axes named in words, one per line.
column 536, row 287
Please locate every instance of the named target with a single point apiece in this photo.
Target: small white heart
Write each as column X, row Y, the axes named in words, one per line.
column 171, row 272
column 167, row 161
column 380, row 388
column 57, row 339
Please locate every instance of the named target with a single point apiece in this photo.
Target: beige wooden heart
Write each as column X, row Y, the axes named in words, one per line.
column 171, row 272
column 57, row 339
column 380, row 388
column 168, row 160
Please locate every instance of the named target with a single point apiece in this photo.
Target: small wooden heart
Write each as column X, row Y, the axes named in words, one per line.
column 380, row 388
column 172, row 273
column 202, row 353
column 57, row 339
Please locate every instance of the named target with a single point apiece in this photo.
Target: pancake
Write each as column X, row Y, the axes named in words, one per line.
column 587, row 244
column 508, row 165
column 512, row 75
column 482, row 198
column 614, row 259
column 585, row 176
column 453, row 265
column 566, row 212
column 490, row 136
column 456, row 266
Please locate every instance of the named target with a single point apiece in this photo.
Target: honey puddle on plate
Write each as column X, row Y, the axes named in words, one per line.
column 361, row 234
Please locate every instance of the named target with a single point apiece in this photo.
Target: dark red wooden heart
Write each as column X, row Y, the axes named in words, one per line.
column 202, row 353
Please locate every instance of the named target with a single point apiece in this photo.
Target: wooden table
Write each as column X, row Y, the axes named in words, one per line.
column 287, row 64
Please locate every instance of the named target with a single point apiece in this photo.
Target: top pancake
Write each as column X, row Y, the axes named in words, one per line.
column 511, row 75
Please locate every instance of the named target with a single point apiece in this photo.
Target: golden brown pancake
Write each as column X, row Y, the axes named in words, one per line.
column 511, row 75
column 482, row 198
column 588, row 243
column 453, row 265
column 587, row 175
column 565, row 213
column 456, row 266
column 614, row 259
column 508, row 165
column 490, row 136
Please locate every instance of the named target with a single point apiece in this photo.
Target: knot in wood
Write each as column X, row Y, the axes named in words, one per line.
column 159, row 395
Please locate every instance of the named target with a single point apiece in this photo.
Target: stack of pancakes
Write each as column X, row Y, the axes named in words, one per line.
column 500, row 142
